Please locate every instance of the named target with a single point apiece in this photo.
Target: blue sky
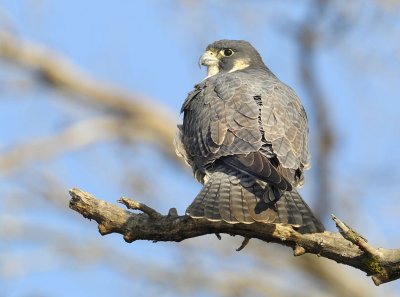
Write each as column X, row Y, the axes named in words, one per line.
column 153, row 48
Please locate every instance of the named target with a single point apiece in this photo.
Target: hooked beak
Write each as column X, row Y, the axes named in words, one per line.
column 208, row 59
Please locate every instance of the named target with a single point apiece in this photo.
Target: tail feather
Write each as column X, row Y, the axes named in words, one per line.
column 267, row 215
column 225, row 198
column 197, row 206
column 247, row 218
column 236, row 202
column 211, row 209
column 224, row 202
column 287, row 210
column 308, row 220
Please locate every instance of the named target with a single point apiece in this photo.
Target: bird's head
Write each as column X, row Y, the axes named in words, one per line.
column 230, row 56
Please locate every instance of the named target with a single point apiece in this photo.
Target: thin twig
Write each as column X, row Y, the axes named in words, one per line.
column 353, row 236
column 132, row 204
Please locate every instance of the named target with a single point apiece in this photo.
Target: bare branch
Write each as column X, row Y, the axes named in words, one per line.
column 131, row 204
column 382, row 264
column 376, row 258
column 353, row 236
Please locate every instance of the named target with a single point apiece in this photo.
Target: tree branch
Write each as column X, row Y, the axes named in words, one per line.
column 382, row 264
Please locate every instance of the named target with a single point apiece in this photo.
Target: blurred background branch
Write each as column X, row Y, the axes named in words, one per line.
column 58, row 72
column 308, row 40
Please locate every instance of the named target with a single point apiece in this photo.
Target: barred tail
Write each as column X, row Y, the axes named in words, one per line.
column 233, row 197
column 292, row 209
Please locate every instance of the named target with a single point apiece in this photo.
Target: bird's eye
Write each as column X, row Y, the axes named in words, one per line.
column 227, row 52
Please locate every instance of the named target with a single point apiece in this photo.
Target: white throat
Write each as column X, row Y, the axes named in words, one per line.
column 212, row 70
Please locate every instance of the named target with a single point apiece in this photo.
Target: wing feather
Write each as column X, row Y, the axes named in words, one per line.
column 238, row 114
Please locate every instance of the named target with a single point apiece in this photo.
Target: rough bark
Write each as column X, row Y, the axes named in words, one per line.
column 346, row 247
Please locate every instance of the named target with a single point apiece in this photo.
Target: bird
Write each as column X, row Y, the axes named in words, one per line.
column 245, row 135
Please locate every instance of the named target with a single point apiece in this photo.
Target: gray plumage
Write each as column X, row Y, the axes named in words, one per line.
column 244, row 134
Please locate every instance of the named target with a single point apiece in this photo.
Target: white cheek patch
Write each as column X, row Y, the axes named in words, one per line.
column 240, row 64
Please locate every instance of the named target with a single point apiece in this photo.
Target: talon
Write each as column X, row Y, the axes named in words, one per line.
column 172, row 212
column 244, row 243
column 299, row 250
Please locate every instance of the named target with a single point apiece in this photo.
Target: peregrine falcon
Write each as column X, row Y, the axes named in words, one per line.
column 245, row 134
